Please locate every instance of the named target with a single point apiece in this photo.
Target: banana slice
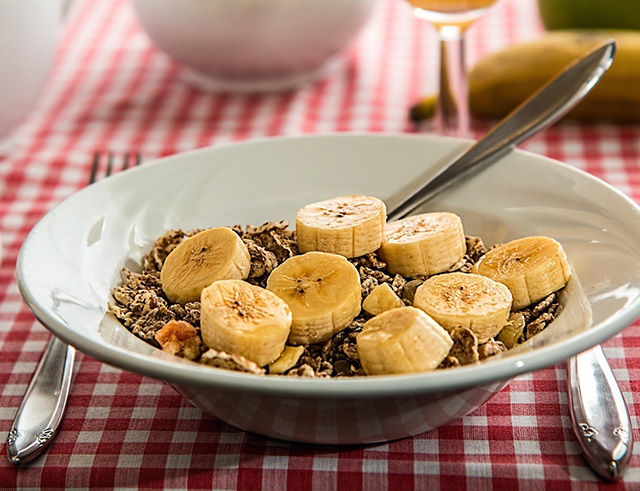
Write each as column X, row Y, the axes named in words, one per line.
column 244, row 320
column 465, row 300
column 211, row 255
column 531, row 267
column 423, row 245
column 351, row 226
column 404, row 340
column 381, row 299
column 322, row 291
column 287, row 360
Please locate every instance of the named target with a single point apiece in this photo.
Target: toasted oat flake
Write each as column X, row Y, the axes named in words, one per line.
column 491, row 348
column 540, row 315
column 449, row 362
column 228, row 361
column 269, row 245
column 465, row 346
column 303, row 371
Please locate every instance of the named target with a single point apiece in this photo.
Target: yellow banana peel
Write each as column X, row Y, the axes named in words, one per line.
column 503, row 80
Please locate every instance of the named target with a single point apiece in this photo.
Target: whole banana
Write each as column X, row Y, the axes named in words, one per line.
column 501, row 81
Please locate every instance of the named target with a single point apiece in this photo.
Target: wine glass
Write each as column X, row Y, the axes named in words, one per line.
column 451, row 18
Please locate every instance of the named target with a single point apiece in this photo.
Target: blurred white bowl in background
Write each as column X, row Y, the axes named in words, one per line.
column 246, row 45
column 28, row 39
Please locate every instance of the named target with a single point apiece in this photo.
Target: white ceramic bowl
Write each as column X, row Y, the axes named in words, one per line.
column 252, row 44
column 72, row 258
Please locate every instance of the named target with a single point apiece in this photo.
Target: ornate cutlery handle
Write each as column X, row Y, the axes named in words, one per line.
column 598, row 413
column 40, row 413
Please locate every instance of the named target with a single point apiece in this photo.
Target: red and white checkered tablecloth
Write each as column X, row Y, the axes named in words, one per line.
column 111, row 90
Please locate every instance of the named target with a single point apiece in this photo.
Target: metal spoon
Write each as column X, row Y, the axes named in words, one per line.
column 598, row 412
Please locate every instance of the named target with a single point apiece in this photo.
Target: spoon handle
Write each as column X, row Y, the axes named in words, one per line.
column 598, row 413
column 42, row 408
column 538, row 112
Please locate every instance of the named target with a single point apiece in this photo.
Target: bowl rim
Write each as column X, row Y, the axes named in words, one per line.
column 191, row 374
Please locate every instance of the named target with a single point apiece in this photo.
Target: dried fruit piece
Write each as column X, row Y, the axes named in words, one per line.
column 409, row 290
column 179, row 338
column 511, row 333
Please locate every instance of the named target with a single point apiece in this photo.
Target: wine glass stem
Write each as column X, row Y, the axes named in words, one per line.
column 453, row 100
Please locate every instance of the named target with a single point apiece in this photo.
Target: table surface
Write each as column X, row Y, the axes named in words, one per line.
column 111, row 91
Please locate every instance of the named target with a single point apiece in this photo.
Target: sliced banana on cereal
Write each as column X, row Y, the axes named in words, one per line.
column 466, row 300
column 322, row 291
column 423, row 245
column 351, row 226
column 244, row 320
column 287, row 360
column 211, row 255
column 381, row 299
column 403, row 340
column 532, row 268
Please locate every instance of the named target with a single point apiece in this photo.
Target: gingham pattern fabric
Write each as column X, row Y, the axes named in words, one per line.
column 111, row 90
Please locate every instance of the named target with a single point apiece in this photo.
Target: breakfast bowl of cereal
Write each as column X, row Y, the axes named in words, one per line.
column 263, row 282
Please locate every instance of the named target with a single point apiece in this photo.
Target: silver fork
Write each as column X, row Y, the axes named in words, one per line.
column 39, row 416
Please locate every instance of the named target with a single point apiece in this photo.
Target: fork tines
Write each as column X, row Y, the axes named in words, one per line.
column 111, row 158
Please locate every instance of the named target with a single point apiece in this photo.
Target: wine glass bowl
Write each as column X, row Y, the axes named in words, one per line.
column 451, row 12
column 451, row 18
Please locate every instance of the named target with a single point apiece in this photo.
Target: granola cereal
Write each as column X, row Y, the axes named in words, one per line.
column 142, row 307
column 491, row 348
column 269, row 245
column 465, row 346
column 449, row 362
column 228, row 361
